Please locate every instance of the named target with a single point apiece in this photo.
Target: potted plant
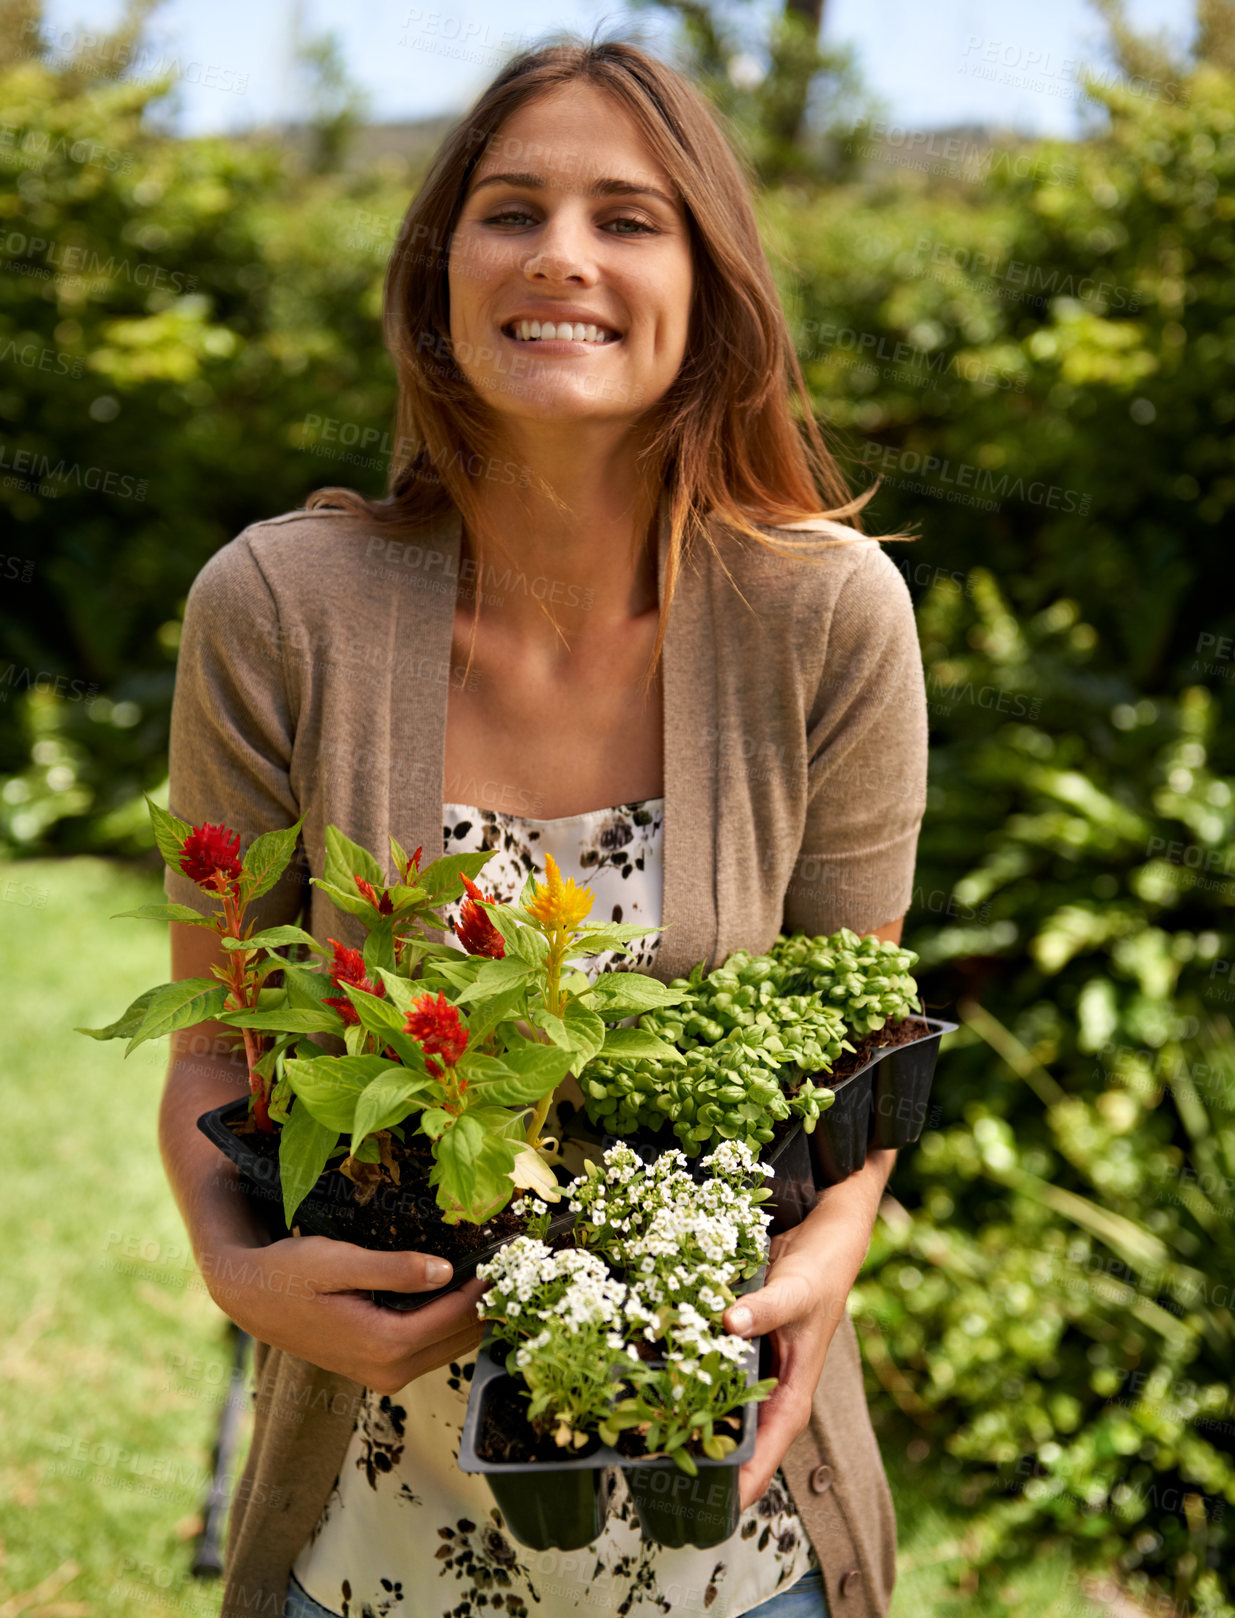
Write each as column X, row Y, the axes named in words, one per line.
column 881, row 1088
column 759, row 1034
column 445, row 1058
column 610, row 1353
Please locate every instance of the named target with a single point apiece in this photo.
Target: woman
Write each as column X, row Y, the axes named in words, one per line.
column 566, row 605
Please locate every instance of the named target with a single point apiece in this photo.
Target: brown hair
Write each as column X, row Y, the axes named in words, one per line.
column 723, row 438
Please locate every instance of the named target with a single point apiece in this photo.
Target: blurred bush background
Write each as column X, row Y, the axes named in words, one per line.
column 1030, row 345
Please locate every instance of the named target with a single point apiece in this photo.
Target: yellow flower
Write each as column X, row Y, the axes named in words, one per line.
column 558, row 904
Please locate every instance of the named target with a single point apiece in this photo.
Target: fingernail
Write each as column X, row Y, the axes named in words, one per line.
column 438, row 1270
column 742, row 1320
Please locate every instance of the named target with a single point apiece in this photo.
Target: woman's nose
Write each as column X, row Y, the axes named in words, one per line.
column 561, row 255
column 553, row 268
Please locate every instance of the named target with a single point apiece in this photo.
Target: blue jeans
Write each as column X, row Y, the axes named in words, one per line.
column 297, row 1604
column 805, row 1599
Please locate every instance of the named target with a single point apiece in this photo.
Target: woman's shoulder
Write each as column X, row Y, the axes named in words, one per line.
column 305, row 559
column 811, row 568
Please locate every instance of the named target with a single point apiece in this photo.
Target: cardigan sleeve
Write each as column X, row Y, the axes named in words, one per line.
column 232, row 730
column 866, row 760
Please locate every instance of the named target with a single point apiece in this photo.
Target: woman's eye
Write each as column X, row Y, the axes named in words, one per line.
column 624, row 219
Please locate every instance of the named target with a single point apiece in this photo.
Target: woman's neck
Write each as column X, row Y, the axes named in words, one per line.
column 585, row 547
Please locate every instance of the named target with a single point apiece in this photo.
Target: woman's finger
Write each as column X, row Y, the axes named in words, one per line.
column 787, row 1296
column 782, row 1416
column 344, row 1267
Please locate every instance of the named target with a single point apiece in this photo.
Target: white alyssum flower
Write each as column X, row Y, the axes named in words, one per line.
column 679, row 1245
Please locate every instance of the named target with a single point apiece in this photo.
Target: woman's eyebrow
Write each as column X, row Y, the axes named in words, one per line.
column 608, row 187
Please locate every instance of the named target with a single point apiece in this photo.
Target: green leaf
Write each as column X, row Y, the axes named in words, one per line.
column 354, row 903
column 379, row 946
column 587, row 1032
column 547, row 1063
column 398, row 854
column 404, row 900
column 331, row 1086
column 499, row 1121
column 478, row 1068
column 275, row 938
column 375, row 1012
column 619, row 994
column 433, row 1120
column 440, row 880
column 128, row 1022
column 265, row 1065
column 400, row 991
column 628, row 1044
column 528, row 945
column 178, row 1005
column 266, row 860
column 458, row 969
column 496, row 976
column 306, row 988
column 345, row 859
column 287, row 1019
column 390, row 1098
column 169, row 834
column 304, row 1147
column 486, row 1014
column 497, row 1084
column 472, row 1171
column 592, row 939
column 184, row 913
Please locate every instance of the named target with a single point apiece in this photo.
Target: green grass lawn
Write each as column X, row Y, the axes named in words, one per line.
column 116, row 1360
column 115, row 1356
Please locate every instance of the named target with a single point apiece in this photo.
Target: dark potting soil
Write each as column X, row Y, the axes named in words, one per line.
column 507, row 1435
column 633, row 1445
column 900, row 1031
column 403, row 1217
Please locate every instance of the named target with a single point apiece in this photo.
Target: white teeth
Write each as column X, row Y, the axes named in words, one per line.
column 534, row 330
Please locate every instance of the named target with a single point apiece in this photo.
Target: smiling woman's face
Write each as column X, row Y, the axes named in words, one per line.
column 570, row 220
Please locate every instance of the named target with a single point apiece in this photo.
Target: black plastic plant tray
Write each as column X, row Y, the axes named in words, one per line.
column 330, row 1209
column 562, row 1505
column 882, row 1104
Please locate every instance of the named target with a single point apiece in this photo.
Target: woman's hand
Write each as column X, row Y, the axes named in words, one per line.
column 811, row 1273
column 307, row 1295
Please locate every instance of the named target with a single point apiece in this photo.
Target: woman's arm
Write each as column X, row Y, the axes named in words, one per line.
column 233, row 735
column 867, row 753
column 301, row 1294
column 812, row 1271
column 814, row 1267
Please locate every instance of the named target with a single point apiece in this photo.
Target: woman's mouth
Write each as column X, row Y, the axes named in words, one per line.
column 560, row 334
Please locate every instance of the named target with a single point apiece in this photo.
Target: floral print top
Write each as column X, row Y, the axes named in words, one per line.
column 404, row 1532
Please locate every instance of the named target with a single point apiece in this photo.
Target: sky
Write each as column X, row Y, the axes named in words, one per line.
column 946, row 62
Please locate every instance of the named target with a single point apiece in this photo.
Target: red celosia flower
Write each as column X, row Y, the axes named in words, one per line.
column 349, row 967
column 412, row 868
column 383, row 906
column 436, row 1025
column 475, row 929
column 208, row 849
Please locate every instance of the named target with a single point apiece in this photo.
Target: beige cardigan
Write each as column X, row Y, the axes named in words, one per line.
column 313, row 676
